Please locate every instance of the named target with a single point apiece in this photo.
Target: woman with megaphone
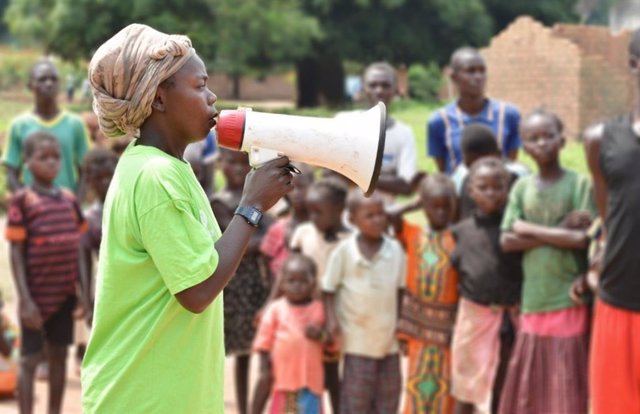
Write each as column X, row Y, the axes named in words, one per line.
column 157, row 343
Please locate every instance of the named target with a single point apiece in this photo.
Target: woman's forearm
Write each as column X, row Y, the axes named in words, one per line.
column 230, row 248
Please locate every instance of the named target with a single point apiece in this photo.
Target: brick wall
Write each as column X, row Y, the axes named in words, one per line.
column 579, row 72
column 272, row 87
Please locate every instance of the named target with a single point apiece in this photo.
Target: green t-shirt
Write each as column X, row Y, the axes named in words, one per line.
column 71, row 133
column 549, row 271
column 146, row 353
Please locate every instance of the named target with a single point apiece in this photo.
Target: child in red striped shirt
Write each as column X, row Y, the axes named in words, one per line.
column 44, row 229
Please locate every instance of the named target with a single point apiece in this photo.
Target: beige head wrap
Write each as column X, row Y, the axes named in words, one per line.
column 125, row 73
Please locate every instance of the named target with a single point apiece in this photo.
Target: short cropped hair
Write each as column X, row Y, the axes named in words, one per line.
column 335, row 188
column 461, row 52
column 437, row 184
column 312, row 269
column 36, row 138
column 98, row 159
column 493, row 163
column 478, row 139
column 41, row 62
column 356, row 197
column 382, row 67
column 541, row 111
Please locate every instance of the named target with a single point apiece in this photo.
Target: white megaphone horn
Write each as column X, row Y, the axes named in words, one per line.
column 350, row 145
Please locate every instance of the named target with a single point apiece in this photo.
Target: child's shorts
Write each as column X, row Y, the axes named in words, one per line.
column 370, row 382
column 58, row 330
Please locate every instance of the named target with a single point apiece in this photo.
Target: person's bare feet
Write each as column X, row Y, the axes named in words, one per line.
column 42, row 372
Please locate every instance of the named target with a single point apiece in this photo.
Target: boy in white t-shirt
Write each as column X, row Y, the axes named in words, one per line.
column 362, row 283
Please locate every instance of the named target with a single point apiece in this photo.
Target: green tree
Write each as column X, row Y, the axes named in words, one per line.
column 73, row 29
column 236, row 36
column 255, row 35
column 400, row 31
column 405, row 31
column 252, row 36
column 4, row 30
column 547, row 11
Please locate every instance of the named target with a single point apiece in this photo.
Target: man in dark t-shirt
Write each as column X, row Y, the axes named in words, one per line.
column 613, row 155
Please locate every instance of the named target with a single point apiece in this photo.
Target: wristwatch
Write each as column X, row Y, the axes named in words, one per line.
column 251, row 214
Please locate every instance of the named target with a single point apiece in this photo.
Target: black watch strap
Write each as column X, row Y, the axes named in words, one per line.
column 251, row 214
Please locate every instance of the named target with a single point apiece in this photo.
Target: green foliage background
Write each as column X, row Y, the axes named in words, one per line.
column 413, row 113
column 260, row 34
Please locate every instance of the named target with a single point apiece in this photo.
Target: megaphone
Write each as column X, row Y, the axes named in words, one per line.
column 350, row 145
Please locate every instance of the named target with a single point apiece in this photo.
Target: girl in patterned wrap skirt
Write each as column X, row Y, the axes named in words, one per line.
column 428, row 308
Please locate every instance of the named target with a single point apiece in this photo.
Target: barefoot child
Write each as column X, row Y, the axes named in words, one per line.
column 290, row 341
column 44, row 229
column 317, row 238
column 364, row 278
column 548, row 369
column 247, row 292
column 490, row 283
column 432, row 284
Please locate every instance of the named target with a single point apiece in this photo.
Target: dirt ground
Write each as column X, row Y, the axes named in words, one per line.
column 72, row 395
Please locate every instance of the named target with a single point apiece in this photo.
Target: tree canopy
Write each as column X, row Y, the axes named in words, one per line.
column 73, row 29
column 261, row 33
column 258, row 35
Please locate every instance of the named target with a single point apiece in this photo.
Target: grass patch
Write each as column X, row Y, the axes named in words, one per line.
column 416, row 114
column 413, row 113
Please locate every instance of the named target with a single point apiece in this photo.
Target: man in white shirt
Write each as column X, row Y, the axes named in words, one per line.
column 399, row 165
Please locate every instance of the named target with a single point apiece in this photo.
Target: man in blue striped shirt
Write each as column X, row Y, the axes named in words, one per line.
column 444, row 129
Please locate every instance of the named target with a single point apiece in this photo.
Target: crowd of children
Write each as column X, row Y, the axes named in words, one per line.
column 488, row 301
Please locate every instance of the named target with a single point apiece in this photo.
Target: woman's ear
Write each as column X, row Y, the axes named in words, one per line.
column 159, row 100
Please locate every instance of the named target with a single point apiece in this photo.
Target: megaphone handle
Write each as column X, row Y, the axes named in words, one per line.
column 258, row 156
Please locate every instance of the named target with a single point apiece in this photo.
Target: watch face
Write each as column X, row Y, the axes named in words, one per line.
column 254, row 216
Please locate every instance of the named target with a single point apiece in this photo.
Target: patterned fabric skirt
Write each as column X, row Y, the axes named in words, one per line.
column 295, row 402
column 429, row 380
column 243, row 297
column 548, row 368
